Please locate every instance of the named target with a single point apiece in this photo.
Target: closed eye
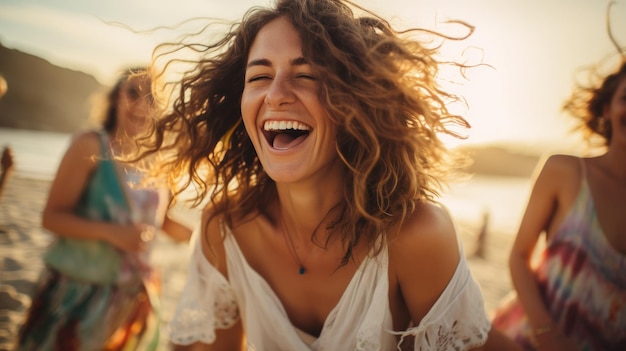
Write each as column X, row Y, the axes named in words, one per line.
column 257, row 78
column 306, row 76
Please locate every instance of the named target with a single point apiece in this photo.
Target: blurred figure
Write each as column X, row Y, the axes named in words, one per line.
column 3, row 86
column 6, row 163
column 481, row 237
column 574, row 298
column 6, row 167
column 98, row 290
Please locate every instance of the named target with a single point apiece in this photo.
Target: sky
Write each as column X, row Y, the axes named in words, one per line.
column 533, row 47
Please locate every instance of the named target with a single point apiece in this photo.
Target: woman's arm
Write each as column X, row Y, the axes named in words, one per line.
column 232, row 338
column 71, row 179
column 424, row 258
column 176, row 230
column 541, row 205
column 544, row 203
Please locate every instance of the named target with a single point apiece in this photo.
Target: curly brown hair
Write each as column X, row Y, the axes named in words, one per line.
column 587, row 103
column 379, row 86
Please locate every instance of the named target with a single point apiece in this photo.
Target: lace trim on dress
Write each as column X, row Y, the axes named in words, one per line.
column 368, row 339
column 457, row 321
column 206, row 300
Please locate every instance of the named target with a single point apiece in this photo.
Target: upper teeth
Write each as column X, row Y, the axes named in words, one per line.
column 283, row 125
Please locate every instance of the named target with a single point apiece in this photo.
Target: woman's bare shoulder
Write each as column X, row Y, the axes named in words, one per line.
column 428, row 235
column 559, row 164
column 214, row 230
column 80, row 158
column 559, row 172
column 86, row 143
column 429, row 224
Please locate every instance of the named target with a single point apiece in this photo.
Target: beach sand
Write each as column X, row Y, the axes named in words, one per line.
column 22, row 242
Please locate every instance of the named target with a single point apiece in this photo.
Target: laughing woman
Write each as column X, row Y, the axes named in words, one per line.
column 319, row 129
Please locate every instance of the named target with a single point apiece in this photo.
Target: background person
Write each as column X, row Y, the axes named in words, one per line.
column 574, row 298
column 7, row 165
column 98, row 290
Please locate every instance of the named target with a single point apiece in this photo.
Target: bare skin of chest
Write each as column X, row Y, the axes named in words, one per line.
column 308, row 298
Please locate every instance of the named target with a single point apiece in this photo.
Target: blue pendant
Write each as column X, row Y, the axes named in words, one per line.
column 302, row 270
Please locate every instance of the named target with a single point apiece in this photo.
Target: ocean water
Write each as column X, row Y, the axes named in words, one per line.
column 37, row 155
column 503, row 199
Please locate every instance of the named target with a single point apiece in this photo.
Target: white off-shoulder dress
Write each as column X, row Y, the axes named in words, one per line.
column 361, row 320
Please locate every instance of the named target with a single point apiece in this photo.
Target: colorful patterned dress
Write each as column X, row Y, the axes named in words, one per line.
column 582, row 279
column 91, row 296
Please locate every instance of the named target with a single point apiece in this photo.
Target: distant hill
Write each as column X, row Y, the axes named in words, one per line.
column 501, row 161
column 42, row 96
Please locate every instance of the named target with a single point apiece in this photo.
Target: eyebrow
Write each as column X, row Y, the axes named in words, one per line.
column 299, row 61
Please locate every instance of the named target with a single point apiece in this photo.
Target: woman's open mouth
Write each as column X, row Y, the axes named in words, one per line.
column 283, row 135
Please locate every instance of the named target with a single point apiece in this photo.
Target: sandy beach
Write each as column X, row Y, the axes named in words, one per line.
column 22, row 242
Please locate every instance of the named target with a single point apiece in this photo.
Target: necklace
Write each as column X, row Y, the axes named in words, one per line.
column 292, row 248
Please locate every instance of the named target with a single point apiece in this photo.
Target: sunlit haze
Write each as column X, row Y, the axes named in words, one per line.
column 534, row 48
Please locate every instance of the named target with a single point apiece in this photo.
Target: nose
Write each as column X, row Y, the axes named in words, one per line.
column 279, row 92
